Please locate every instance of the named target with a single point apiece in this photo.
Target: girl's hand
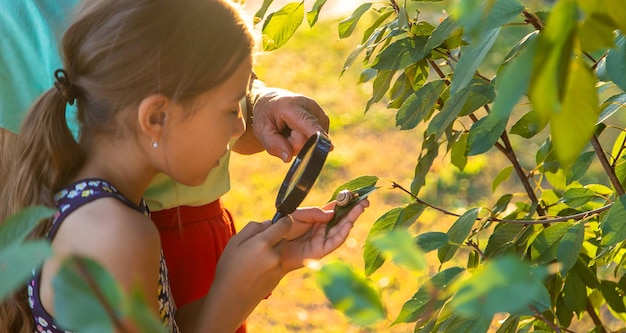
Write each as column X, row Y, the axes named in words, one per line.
column 247, row 272
column 308, row 239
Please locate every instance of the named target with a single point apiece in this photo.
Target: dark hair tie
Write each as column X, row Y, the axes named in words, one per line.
column 64, row 86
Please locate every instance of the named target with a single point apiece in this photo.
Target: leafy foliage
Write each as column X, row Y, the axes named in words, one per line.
column 87, row 298
column 18, row 256
column 558, row 231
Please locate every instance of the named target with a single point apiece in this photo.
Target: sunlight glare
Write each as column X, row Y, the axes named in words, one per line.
column 351, row 243
column 313, row 264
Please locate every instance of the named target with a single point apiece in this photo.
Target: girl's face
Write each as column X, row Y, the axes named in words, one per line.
column 194, row 140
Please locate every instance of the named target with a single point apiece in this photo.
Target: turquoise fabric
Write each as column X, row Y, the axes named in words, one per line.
column 30, row 31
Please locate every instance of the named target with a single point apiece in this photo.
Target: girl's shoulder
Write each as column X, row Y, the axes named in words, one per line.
column 120, row 238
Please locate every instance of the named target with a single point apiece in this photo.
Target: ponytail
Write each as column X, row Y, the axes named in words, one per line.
column 45, row 158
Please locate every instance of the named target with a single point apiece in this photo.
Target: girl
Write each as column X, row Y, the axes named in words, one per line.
column 157, row 84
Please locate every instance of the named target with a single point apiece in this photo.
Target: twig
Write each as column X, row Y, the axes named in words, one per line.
column 541, row 220
column 619, row 153
column 473, row 245
column 594, row 316
column 533, row 19
column 606, row 165
column 542, row 318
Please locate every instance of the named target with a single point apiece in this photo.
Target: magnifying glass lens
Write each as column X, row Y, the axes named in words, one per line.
column 302, row 174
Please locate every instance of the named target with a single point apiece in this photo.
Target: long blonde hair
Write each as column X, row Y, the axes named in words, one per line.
column 115, row 53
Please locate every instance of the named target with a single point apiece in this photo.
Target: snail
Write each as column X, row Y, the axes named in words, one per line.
column 345, row 197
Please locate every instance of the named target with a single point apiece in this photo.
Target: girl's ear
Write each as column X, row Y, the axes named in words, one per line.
column 151, row 115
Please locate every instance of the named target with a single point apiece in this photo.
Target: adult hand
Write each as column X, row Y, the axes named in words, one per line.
column 282, row 122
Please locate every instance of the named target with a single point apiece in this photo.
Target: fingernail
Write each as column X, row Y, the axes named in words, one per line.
column 285, row 156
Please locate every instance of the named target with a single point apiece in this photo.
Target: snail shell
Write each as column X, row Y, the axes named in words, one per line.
column 345, row 197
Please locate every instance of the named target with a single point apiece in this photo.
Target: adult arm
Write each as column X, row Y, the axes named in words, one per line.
column 279, row 121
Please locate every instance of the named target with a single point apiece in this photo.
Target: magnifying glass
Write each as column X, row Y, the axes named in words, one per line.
column 301, row 175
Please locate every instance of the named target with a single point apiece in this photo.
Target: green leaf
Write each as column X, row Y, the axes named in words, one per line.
column 449, row 113
column 400, row 91
column 401, row 54
column 359, row 182
column 346, row 26
column 505, row 284
column 574, row 125
column 18, row 226
column 589, row 277
column 458, row 232
column 399, row 217
column 503, row 238
column 611, row 105
column 442, row 32
column 431, row 241
column 514, row 76
column 138, row 309
column 371, row 254
column 398, row 245
column 76, row 305
column 419, row 105
column 614, row 295
column 457, row 153
column 575, row 293
column 481, row 93
column 579, row 168
column 596, row 32
column 620, row 169
column 424, row 163
column 616, row 62
column 281, row 25
column 17, row 262
column 501, row 204
column 375, row 29
column 612, row 225
column 351, row 293
column 509, row 325
column 430, row 297
column 471, row 57
column 511, row 84
column 381, row 85
column 313, row 15
column 569, row 247
column 476, row 17
column 544, row 248
column 617, row 11
column 528, row 126
column 502, row 176
column 261, row 12
column 468, row 325
column 410, row 214
column 578, row 196
column 485, row 133
column 553, row 55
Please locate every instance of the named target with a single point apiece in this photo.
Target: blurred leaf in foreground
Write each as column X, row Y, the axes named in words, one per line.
column 351, row 293
column 505, row 284
column 17, row 259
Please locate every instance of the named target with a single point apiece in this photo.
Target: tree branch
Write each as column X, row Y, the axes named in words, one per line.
column 542, row 220
column 606, row 165
column 594, row 316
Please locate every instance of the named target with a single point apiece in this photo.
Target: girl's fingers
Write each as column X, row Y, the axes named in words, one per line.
column 274, row 233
